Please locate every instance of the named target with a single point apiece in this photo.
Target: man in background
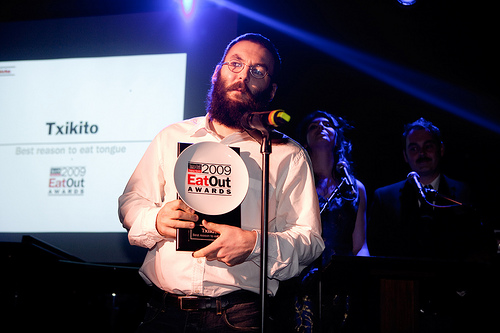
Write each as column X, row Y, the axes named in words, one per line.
column 414, row 218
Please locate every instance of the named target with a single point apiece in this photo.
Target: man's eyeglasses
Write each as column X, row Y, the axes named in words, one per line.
column 257, row 71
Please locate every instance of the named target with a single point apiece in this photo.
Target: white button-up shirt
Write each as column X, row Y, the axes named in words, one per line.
column 294, row 221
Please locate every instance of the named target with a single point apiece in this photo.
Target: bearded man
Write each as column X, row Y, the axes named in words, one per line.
column 222, row 280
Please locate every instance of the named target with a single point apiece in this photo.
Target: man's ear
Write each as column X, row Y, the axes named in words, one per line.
column 214, row 75
column 273, row 92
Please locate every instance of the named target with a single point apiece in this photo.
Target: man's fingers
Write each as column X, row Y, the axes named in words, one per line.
column 213, row 226
column 178, row 210
column 181, row 216
column 209, row 251
column 183, row 206
column 175, row 215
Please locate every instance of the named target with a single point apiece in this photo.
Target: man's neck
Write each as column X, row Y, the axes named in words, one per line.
column 221, row 130
column 427, row 179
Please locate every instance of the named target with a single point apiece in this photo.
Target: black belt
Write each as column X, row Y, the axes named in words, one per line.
column 196, row 303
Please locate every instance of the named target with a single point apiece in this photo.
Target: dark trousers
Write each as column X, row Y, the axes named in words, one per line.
column 162, row 317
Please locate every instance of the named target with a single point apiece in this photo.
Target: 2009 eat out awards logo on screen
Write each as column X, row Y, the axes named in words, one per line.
column 67, row 181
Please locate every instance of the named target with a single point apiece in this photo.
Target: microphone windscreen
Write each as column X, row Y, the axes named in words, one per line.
column 278, row 117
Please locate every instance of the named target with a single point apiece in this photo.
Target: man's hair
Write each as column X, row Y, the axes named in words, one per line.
column 266, row 43
column 421, row 124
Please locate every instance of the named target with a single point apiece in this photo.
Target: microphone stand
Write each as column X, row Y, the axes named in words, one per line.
column 335, row 193
column 265, row 150
column 253, row 129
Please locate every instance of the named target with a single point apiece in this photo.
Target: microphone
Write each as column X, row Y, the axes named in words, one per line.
column 264, row 120
column 413, row 177
column 342, row 169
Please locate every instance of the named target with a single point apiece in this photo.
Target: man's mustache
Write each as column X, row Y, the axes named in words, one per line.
column 238, row 86
column 423, row 159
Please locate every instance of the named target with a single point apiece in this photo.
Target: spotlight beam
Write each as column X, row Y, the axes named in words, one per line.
column 433, row 91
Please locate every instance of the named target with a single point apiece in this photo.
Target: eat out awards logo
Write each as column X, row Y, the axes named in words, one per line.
column 67, row 181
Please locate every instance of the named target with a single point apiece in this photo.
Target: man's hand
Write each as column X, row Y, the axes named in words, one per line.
column 175, row 215
column 232, row 247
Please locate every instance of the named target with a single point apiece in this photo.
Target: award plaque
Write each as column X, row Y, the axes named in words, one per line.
column 212, row 179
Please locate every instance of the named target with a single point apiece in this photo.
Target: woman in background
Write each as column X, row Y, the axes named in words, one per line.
column 344, row 213
column 324, row 303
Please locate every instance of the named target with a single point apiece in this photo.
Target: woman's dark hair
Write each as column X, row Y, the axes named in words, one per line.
column 343, row 147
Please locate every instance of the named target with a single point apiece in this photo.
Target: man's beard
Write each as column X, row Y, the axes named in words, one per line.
column 229, row 112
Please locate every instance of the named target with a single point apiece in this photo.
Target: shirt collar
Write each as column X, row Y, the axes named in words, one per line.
column 435, row 182
column 202, row 127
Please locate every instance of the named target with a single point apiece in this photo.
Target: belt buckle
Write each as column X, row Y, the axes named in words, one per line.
column 185, row 304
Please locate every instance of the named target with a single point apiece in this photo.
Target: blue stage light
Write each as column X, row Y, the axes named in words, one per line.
column 407, row 2
column 188, row 7
column 441, row 94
